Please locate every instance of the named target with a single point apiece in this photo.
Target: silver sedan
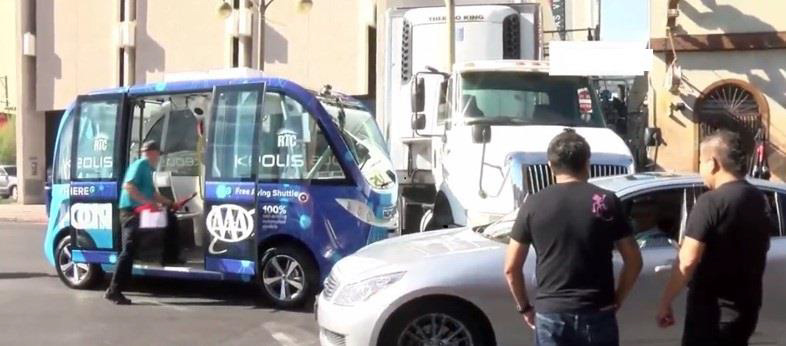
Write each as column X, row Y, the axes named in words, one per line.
column 448, row 288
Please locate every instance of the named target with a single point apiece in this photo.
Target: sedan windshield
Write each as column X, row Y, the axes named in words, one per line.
column 519, row 98
column 499, row 230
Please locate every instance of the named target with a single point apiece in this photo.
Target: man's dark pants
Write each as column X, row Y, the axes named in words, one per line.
column 714, row 321
column 576, row 329
column 129, row 221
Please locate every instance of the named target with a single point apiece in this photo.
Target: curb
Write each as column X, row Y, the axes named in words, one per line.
column 23, row 220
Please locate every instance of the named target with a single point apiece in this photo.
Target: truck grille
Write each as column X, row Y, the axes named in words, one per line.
column 607, row 170
column 539, row 176
column 330, row 286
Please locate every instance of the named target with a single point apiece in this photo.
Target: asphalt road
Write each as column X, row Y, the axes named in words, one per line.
column 36, row 308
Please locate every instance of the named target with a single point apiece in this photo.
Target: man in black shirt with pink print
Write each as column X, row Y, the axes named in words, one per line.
column 573, row 227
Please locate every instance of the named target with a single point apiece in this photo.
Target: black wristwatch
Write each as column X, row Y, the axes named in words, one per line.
column 525, row 309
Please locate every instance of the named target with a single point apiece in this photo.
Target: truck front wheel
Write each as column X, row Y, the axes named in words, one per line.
column 440, row 217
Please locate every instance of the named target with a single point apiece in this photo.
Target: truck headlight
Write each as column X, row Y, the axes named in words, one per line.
column 354, row 293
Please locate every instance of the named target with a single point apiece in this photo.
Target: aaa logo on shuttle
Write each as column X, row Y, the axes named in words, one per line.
column 230, row 223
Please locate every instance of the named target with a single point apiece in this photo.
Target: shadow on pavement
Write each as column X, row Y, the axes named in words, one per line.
column 9, row 276
column 203, row 293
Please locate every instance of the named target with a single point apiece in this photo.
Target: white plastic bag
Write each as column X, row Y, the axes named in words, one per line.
column 152, row 219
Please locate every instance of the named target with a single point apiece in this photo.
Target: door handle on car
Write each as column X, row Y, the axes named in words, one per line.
column 664, row 267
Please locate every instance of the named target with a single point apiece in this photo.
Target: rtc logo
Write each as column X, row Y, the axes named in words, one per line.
column 100, row 143
column 287, row 139
column 91, row 216
column 229, row 223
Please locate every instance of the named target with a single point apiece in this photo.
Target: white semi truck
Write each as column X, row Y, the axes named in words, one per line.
column 469, row 144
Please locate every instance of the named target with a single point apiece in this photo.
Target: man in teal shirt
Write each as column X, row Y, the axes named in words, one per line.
column 138, row 190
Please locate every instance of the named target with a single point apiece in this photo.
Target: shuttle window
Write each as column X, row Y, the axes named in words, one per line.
column 292, row 145
column 96, row 145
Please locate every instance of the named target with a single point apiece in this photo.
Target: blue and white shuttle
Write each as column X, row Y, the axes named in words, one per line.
column 287, row 181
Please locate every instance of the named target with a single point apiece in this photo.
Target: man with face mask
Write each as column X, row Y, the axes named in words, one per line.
column 138, row 190
column 724, row 251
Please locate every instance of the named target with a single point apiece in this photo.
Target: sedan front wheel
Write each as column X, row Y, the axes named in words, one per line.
column 438, row 323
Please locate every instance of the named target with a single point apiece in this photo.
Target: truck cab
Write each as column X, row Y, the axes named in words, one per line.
column 486, row 128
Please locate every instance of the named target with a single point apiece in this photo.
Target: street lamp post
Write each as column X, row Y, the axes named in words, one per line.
column 261, row 9
column 261, row 5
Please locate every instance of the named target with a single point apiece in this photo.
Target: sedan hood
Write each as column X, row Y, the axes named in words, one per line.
column 402, row 252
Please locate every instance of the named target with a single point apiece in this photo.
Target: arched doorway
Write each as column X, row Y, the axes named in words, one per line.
column 733, row 105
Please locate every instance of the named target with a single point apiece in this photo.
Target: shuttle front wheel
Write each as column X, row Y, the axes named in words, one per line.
column 287, row 276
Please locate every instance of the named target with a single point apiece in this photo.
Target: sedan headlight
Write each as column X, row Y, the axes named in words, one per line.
column 354, row 293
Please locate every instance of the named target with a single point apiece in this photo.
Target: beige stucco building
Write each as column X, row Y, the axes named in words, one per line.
column 732, row 59
column 74, row 47
column 8, row 81
column 8, row 72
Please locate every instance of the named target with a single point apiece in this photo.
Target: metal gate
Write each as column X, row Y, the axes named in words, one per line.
column 735, row 106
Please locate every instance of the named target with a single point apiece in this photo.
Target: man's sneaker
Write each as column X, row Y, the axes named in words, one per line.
column 117, row 298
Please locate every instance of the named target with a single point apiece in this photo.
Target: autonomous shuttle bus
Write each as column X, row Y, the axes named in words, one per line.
column 287, row 181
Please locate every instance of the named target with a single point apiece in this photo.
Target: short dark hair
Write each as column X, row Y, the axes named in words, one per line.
column 150, row 145
column 729, row 149
column 568, row 153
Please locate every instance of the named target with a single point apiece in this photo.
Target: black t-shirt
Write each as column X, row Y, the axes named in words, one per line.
column 573, row 228
column 734, row 222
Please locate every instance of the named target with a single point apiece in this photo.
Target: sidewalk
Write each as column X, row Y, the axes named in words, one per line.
column 13, row 212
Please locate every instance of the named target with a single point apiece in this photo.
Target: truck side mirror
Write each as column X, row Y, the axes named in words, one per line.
column 481, row 134
column 443, row 92
column 652, row 136
column 418, row 121
column 418, row 95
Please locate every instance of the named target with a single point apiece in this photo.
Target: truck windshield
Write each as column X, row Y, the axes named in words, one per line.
column 365, row 141
column 526, row 98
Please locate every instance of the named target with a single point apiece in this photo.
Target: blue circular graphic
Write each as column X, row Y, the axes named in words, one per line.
column 223, row 191
column 305, row 221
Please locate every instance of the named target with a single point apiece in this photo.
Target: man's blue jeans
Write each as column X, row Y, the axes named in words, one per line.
column 576, row 329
